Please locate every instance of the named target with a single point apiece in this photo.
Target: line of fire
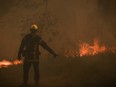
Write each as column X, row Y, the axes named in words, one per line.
column 85, row 49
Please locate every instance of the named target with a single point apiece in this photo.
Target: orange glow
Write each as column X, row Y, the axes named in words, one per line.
column 16, row 62
column 86, row 49
column 6, row 63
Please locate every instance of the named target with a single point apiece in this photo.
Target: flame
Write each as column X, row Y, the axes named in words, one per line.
column 6, row 63
column 17, row 62
column 86, row 49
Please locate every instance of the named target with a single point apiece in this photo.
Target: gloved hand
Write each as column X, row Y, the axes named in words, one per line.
column 55, row 55
column 19, row 58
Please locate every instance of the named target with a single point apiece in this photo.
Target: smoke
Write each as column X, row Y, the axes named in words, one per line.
column 107, row 10
column 63, row 23
column 68, row 22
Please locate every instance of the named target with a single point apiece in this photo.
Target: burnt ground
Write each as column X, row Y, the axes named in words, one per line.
column 91, row 71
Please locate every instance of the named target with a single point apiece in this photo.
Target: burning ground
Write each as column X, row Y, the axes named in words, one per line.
column 86, row 49
column 70, row 27
column 90, row 66
column 89, row 71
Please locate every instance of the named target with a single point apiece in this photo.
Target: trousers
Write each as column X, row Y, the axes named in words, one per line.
column 26, row 68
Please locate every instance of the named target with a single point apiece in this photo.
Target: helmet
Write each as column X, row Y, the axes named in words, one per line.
column 34, row 27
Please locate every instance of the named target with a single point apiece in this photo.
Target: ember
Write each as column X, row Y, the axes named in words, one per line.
column 86, row 49
column 6, row 63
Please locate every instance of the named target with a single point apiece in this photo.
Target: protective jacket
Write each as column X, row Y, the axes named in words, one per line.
column 30, row 47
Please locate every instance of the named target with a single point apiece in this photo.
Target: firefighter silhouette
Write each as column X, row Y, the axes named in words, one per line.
column 29, row 49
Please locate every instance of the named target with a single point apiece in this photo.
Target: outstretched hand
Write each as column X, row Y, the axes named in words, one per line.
column 19, row 57
column 55, row 55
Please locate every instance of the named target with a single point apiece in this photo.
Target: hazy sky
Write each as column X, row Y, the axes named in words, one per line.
column 76, row 20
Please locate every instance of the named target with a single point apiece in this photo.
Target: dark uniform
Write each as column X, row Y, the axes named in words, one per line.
column 30, row 50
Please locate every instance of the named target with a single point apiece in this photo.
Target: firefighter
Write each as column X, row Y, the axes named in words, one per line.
column 29, row 49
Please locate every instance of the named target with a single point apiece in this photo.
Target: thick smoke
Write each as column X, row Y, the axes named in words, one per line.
column 74, row 21
column 64, row 24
